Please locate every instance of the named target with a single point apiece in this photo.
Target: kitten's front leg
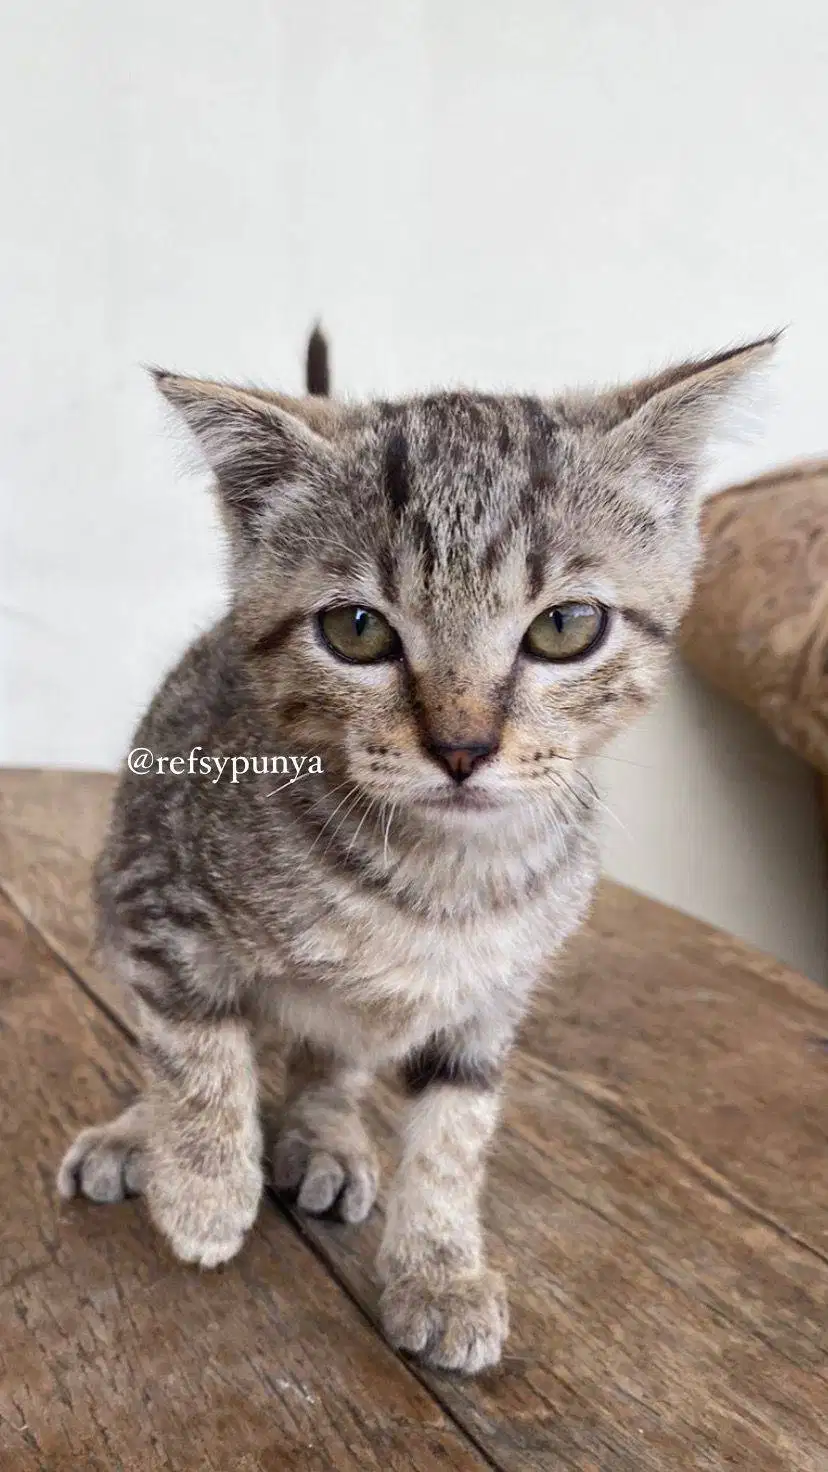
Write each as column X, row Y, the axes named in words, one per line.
column 441, row 1301
column 204, row 1143
column 191, row 1144
column 322, row 1152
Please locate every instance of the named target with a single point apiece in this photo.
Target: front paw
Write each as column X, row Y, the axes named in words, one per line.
column 327, row 1173
column 204, row 1218
column 456, row 1322
column 106, row 1162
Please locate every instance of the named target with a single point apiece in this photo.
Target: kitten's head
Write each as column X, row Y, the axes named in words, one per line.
column 453, row 598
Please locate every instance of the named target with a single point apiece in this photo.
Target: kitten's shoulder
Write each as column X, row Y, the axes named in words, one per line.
column 197, row 699
column 153, row 807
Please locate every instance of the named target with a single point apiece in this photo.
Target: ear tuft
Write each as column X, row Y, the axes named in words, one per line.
column 698, row 379
column 662, row 424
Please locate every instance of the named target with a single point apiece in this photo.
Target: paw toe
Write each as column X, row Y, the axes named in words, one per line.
column 406, row 1320
column 359, row 1194
column 102, row 1177
column 323, row 1182
column 135, row 1173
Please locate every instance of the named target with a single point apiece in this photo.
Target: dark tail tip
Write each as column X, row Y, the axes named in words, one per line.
column 317, row 365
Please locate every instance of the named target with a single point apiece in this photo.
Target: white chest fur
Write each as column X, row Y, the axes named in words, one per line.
column 395, row 976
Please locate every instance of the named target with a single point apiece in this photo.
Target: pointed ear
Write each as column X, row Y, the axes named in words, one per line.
column 254, row 441
column 663, row 423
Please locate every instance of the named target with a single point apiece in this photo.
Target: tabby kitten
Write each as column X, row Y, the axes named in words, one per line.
column 454, row 601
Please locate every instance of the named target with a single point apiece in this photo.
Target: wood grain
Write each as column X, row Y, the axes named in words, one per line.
column 52, row 825
column 114, row 1357
column 658, row 1195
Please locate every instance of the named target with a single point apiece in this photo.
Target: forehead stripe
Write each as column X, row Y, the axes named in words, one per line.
column 396, row 470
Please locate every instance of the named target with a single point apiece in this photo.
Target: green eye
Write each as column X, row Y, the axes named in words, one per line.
column 566, row 631
column 359, row 635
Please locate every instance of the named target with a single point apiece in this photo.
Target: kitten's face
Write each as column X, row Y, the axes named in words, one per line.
column 465, row 566
column 454, row 599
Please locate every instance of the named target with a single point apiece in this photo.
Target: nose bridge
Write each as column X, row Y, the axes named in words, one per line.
column 452, row 710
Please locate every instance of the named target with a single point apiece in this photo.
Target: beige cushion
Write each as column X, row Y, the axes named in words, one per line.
column 758, row 627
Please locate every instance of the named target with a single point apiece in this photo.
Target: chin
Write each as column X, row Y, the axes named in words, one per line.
column 463, row 802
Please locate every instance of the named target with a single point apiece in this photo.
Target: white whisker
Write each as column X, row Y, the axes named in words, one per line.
column 349, row 809
column 331, row 817
column 391, row 812
column 371, row 805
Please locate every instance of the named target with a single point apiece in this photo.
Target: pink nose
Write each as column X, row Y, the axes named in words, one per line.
column 461, row 760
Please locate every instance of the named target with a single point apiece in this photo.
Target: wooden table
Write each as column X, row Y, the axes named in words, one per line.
column 658, row 1196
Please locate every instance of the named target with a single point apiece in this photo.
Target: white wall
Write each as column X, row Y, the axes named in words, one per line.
column 524, row 195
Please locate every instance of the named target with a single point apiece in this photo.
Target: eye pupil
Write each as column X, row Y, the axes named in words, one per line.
column 558, row 619
column 360, row 620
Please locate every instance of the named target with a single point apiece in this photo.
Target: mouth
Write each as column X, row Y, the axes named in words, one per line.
column 461, row 800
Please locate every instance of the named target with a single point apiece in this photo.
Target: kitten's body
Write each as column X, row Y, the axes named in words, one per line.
column 381, row 915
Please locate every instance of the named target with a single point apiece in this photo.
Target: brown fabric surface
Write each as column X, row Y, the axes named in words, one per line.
column 758, row 626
